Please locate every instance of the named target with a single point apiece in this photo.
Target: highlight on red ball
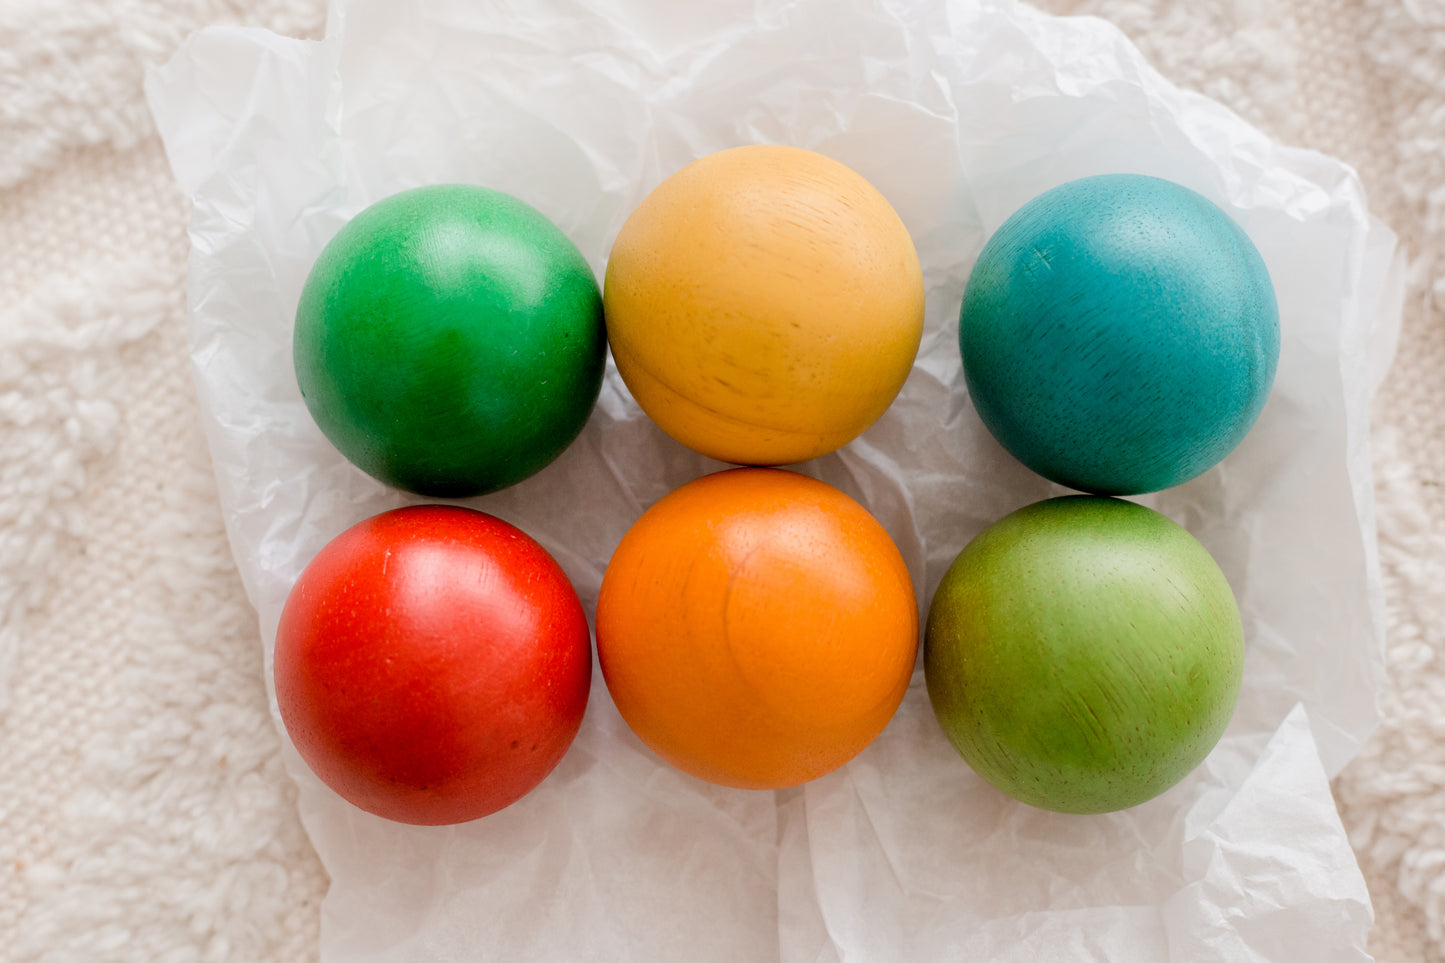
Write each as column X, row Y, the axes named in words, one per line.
column 432, row 664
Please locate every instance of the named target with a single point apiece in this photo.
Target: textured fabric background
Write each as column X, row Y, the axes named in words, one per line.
column 144, row 811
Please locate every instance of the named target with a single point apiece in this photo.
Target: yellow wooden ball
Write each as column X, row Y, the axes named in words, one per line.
column 764, row 305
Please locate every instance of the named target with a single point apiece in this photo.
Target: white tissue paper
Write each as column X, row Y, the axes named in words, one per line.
column 958, row 112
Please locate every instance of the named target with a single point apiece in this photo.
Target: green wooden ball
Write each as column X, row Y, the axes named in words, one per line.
column 1084, row 654
column 449, row 340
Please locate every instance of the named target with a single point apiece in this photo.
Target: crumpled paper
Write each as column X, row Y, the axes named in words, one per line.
column 958, row 112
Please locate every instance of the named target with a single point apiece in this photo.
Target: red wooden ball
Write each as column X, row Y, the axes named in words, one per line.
column 432, row 664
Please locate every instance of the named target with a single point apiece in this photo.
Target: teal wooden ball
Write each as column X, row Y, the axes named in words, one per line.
column 1119, row 334
column 449, row 340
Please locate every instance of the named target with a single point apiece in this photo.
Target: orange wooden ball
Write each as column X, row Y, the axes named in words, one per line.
column 757, row 628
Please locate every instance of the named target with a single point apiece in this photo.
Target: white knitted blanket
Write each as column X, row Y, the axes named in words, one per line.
column 144, row 811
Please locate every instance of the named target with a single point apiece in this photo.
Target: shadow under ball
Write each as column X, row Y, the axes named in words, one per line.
column 1119, row 334
column 449, row 341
